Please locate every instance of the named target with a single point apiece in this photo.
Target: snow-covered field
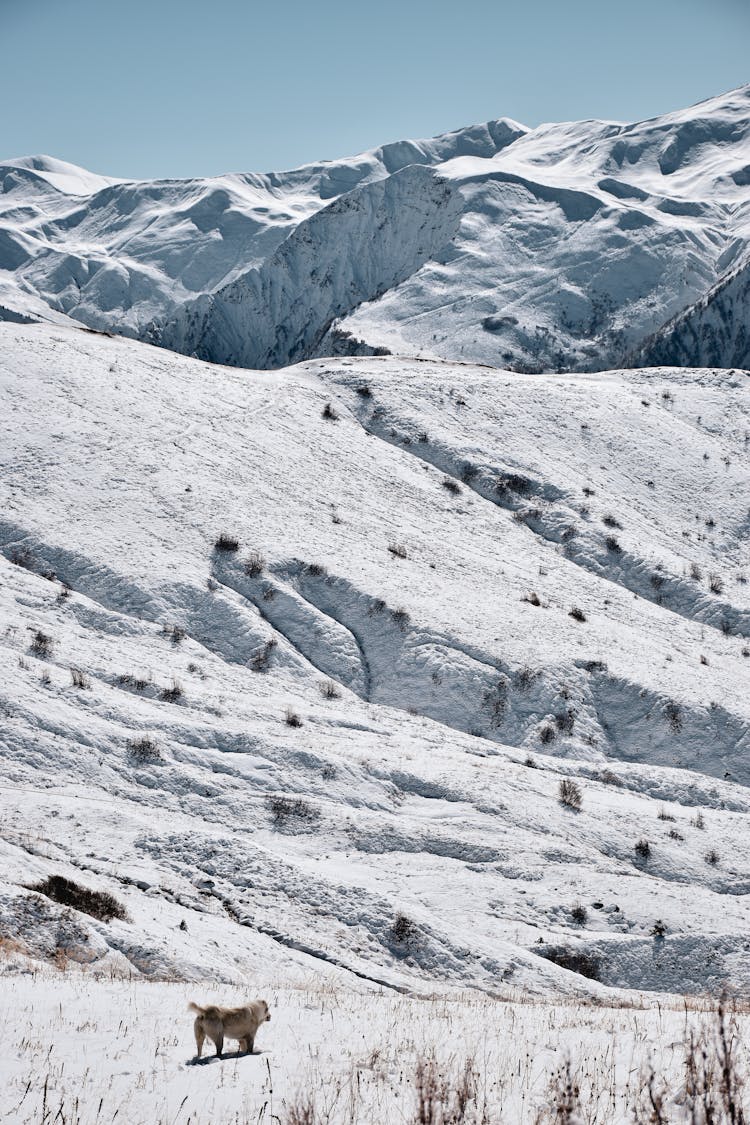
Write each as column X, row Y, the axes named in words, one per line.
column 85, row 1051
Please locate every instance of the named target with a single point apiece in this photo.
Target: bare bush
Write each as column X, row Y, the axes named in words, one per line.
column 642, row 849
column 301, row 1111
column 226, row 544
column 577, row 614
column 254, row 564
column 171, row 694
column 330, row 690
column 79, row 679
column 398, row 550
column 41, row 644
column 261, row 661
column 444, row 1099
column 143, row 750
column 574, row 960
column 570, row 794
column 99, row 904
column 329, row 413
column 291, row 810
column 404, row 933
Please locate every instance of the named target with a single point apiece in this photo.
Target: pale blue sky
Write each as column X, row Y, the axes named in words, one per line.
column 146, row 88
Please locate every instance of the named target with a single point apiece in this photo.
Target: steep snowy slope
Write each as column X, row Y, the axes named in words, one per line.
column 339, row 747
column 557, row 248
column 711, row 333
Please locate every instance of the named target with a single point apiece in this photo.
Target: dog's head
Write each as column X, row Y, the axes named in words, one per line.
column 264, row 1012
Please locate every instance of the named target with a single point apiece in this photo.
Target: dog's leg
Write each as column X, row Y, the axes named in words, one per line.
column 218, row 1038
column 200, row 1036
column 250, row 1044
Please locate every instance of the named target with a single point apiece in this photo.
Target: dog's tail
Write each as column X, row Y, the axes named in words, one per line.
column 195, row 1008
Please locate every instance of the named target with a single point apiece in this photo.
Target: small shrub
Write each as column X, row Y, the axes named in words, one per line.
column 609, row 778
column 579, row 914
column 696, row 572
column 261, row 661
column 574, row 960
column 570, row 794
column 171, row 694
column 664, row 815
column 315, row 570
column 143, row 750
column 398, row 550
column 673, row 715
column 135, row 683
column 529, row 761
column 292, row 719
column 716, row 584
column 226, row 544
column 254, row 564
column 363, row 391
column 547, row 734
column 611, row 521
column 41, row 644
column 658, row 930
column 175, row 633
column 577, row 614
column 79, row 679
column 612, row 545
column 712, row 857
column 642, row 849
column 525, row 677
column 565, row 720
column 330, row 690
column 727, row 628
column 675, row 835
column 400, row 618
column 291, row 809
column 451, row 485
column 99, row 904
column 698, row 821
column 532, row 598
column 22, row 556
column 64, row 592
column 329, row 413
column 512, row 482
column 403, row 932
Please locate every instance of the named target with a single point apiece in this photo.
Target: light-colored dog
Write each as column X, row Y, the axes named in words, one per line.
column 230, row 1023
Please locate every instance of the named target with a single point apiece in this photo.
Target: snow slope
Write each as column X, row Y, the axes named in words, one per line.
column 356, row 724
column 712, row 332
column 558, row 248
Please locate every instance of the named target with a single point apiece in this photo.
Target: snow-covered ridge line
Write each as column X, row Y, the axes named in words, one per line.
column 561, row 248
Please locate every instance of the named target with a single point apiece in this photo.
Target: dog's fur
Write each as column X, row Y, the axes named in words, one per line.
column 230, row 1023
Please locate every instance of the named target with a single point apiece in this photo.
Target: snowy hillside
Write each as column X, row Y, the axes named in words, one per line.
column 558, row 248
column 338, row 749
column 711, row 333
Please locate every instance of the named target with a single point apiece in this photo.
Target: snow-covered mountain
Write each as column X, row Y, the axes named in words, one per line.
column 711, row 333
column 338, row 748
column 563, row 247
